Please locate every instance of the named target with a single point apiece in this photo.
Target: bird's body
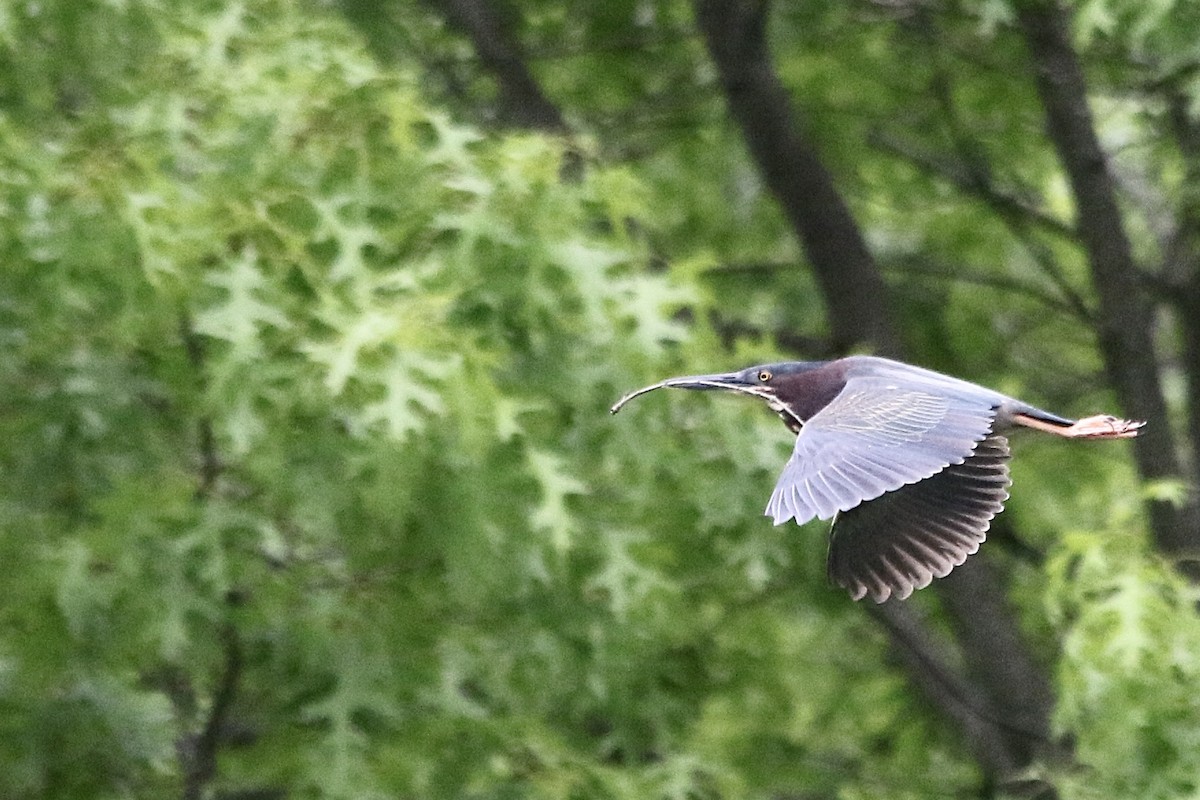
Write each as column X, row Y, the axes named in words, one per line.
column 911, row 465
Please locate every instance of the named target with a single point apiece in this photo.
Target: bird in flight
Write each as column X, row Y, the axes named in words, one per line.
column 911, row 465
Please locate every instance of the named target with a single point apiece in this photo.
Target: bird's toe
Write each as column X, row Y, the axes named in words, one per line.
column 1105, row 426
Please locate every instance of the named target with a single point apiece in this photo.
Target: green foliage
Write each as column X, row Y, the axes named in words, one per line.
column 297, row 357
column 305, row 391
column 1129, row 666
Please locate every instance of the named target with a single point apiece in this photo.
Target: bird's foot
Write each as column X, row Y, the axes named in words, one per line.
column 1103, row 426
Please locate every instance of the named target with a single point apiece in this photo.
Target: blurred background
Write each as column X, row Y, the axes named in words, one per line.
column 312, row 313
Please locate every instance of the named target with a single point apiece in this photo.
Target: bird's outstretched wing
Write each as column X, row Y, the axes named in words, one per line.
column 906, row 538
column 874, row 437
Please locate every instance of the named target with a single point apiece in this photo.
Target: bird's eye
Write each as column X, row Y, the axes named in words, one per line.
column 765, row 375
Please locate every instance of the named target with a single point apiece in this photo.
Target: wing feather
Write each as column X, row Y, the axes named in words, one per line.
column 901, row 541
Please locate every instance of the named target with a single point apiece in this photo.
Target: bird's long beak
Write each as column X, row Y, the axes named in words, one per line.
column 730, row 381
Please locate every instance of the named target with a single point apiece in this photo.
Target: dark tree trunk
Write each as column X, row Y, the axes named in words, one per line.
column 854, row 291
column 1126, row 323
column 1181, row 276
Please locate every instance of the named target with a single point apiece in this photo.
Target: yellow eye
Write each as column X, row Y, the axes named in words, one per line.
column 765, row 375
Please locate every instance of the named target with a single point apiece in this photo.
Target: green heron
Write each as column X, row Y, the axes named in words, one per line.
column 910, row 464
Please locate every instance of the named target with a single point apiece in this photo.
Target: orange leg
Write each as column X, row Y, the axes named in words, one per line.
column 1100, row 426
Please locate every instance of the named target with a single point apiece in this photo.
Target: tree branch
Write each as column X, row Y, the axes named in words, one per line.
column 523, row 103
column 198, row 752
column 997, row 657
column 1019, row 217
column 810, row 347
column 918, row 650
column 909, row 264
column 210, row 463
column 972, row 183
column 972, row 174
column 919, row 265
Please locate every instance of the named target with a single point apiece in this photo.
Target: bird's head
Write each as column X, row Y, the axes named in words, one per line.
column 767, row 381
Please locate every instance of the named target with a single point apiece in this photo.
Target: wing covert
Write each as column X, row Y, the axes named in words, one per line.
column 873, row 438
